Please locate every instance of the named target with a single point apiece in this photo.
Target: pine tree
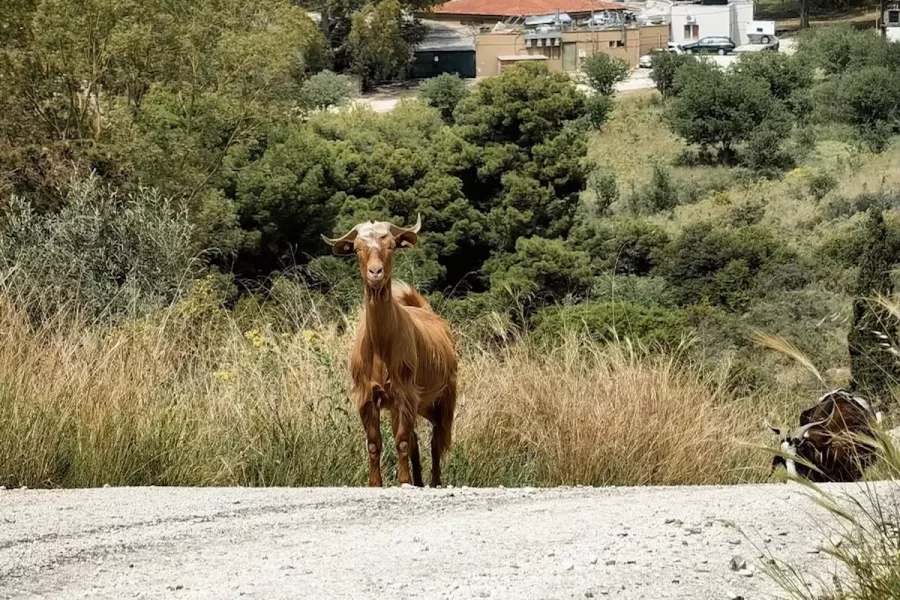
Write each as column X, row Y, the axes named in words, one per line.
column 872, row 367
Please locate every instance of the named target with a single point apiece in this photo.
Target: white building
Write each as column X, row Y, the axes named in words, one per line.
column 691, row 22
column 891, row 21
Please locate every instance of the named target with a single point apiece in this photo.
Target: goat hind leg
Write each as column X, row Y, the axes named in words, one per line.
column 416, row 462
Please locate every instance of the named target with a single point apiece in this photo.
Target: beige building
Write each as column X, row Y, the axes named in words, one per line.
column 565, row 50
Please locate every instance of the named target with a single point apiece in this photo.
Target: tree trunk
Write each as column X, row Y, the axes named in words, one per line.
column 804, row 14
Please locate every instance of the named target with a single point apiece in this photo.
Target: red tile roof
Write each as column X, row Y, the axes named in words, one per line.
column 518, row 8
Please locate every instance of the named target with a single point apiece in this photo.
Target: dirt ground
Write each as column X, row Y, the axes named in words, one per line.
column 393, row 543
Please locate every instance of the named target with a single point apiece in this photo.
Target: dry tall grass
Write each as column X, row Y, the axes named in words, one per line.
column 189, row 397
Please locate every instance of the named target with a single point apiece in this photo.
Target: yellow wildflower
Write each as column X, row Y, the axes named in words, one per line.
column 225, row 376
column 255, row 337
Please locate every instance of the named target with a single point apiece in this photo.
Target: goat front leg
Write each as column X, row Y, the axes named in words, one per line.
column 414, row 456
column 403, row 419
column 370, row 415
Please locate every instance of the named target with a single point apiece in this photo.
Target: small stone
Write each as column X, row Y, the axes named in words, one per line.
column 675, row 522
column 610, row 562
column 569, row 567
column 815, row 550
column 734, row 541
column 746, row 572
column 106, row 485
column 24, row 487
column 734, row 596
column 551, row 554
column 592, row 560
column 589, row 594
column 737, row 563
column 407, row 486
column 693, row 530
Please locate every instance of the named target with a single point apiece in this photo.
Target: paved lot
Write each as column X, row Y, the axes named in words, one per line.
column 400, row 543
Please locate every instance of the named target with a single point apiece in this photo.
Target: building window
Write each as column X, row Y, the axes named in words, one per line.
column 893, row 17
column 620, row 44
column 691, row 31
column 612, row 44
column 555, row 54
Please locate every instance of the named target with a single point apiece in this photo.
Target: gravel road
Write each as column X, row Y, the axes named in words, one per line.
column 393, row 543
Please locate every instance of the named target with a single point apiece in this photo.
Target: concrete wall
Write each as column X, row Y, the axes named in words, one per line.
column 730, row 20
column 627, row 44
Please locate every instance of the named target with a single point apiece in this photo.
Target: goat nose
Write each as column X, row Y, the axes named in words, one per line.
column 376, row 271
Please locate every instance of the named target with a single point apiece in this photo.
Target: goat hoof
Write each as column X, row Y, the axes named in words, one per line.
column 403, row 446
column 373, row 449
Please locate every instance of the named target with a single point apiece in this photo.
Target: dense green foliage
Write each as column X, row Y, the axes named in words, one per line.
column 444, row 92
column 603, row 72
column 325, row 90
column 873, row 328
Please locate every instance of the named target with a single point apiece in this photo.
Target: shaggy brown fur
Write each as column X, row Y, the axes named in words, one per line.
column 827, row 439
column 404, row 359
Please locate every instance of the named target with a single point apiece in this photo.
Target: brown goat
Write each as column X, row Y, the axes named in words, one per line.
column 404, row 359
column 826, row 439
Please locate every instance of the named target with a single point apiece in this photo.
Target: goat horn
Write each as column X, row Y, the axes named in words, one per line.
column 395, row 230
column 769, row 426
column 347, row 237
column 801, row 431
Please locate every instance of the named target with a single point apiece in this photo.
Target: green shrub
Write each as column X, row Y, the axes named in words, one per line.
column 820, row 183
column 664, row 65
column 325, row 90
column 104, row 254
column 785, row 74
column 709, row 264
column 444, row 92
column 842, row 49
column 718, row 109
column 604, row 72
column 547, row 269
column 765, row 151
column 660, row 194
column 610, row 321
column 597, row 108
column 629, row 247
column 646, row 291
column 604, row 191
column 868, row 98
column 873, row 368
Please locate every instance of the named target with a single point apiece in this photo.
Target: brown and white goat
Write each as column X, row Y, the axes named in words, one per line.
column 404, row 359
column 830, row 438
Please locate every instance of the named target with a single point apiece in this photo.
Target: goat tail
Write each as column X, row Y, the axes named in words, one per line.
column 407, row 296
column 444, row 412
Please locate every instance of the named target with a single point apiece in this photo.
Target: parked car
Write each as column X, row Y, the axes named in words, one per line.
column 720, row 45
column 646, row 61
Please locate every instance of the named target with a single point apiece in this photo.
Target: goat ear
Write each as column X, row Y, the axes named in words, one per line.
column 406, row 239
column 343, row 247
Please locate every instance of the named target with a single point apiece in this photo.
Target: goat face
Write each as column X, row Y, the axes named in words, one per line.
column 792, row 444
column 374, row 244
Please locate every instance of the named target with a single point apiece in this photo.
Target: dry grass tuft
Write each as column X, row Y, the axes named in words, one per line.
column 187, row 397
